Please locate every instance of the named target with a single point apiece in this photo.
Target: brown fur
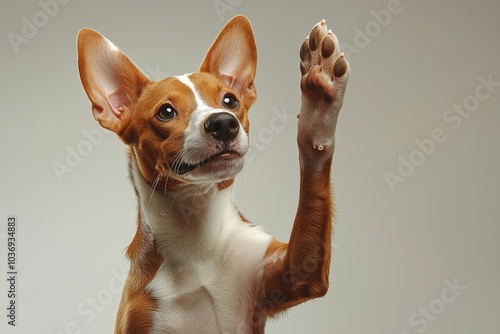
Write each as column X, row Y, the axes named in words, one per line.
column 303, row 272
column 294, row 272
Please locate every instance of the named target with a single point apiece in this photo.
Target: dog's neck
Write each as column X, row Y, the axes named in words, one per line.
column 187, row 224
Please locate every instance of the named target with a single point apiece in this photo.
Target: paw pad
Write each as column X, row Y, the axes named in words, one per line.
column 321, row 63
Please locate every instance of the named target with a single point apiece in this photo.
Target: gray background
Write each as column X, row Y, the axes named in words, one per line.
column 394, row 248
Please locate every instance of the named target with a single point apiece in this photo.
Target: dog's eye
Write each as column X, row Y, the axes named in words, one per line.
column 166, row 112
column 229, row 101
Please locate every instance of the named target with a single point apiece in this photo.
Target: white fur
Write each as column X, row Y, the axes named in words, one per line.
column 198, row 145
column 214, row 261
column 201, row 105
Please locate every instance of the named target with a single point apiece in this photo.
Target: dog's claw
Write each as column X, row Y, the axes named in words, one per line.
column 340, row 67
column 304, row 51
column 316, row 36
column 322, row 63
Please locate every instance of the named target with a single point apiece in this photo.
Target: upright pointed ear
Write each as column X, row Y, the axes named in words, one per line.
column 110, row 79
column 233, row 58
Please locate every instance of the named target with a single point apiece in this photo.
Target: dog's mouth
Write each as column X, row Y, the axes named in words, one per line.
column 181, row 168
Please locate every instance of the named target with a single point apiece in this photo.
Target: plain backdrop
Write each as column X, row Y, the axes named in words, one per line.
column 415, row 171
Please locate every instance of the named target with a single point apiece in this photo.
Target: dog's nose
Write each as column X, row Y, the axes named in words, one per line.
column 223, row 126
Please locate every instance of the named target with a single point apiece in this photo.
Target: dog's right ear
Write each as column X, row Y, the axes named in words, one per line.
column 233, row 58
column 112, row 82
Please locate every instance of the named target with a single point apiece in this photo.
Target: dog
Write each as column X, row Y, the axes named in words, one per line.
column 197, row 265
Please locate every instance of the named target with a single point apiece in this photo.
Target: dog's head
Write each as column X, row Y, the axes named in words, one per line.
column 182, row 129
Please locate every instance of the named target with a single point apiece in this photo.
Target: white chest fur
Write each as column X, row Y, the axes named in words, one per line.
column 213, row 261
column 215, row 294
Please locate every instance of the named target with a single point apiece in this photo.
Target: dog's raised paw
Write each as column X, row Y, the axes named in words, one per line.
column 324, row 72
column 323, row 66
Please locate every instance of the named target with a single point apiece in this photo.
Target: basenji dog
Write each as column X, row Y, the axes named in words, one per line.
column 197, row 265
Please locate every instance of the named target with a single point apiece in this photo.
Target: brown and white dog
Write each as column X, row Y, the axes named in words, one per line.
column 196, row 264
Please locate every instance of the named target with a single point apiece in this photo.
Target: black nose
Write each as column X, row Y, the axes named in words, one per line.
column 222, row 126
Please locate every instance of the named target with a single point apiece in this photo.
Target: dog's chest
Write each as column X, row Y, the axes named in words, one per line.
column 216, row 294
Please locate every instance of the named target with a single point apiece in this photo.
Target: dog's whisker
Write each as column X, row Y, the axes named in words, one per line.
column 153, row 189
column 194, row 142
column 165, row 188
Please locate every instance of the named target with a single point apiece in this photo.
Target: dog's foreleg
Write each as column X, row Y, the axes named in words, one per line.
column 299, row 271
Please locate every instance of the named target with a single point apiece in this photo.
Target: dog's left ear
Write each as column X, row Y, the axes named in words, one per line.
column 233, row 58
